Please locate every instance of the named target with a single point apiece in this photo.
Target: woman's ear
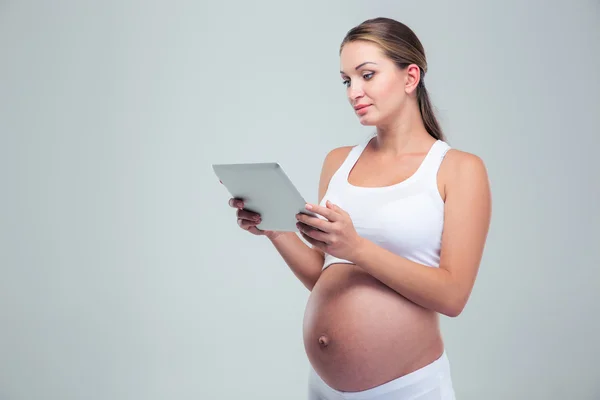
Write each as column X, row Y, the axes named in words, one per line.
column 413, row 76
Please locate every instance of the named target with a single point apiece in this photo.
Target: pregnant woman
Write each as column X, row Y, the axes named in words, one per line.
column 405, row 220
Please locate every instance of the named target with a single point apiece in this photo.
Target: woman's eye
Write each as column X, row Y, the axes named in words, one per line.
column 365, row 76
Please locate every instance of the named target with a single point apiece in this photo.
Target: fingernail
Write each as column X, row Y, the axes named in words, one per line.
column 308, row 207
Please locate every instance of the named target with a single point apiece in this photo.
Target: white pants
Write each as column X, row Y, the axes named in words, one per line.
column 432, row 382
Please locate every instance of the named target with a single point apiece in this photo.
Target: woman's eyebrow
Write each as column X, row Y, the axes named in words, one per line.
column 360, row 65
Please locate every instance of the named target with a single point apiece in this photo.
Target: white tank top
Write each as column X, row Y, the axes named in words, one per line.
column 406, row 218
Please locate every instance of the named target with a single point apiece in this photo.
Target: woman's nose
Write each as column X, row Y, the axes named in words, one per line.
column 355, row 92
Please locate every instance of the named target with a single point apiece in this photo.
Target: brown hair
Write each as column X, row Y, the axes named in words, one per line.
column 402, row 46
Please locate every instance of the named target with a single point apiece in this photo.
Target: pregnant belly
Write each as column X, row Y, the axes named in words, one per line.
column 358, row 333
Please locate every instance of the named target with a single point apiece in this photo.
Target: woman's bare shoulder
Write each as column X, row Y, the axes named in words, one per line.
column 460, row 168
column 335, row 157
column 333, row 161
column 457, row 160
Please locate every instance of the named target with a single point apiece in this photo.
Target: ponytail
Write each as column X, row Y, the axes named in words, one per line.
column 431, row 123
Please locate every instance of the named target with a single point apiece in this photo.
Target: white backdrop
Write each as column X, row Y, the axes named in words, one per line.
column 123, row 272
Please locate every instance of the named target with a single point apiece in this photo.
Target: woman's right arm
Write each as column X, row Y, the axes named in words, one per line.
column 306, row 262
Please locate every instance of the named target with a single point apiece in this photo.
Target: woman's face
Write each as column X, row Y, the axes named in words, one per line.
column 374, row 81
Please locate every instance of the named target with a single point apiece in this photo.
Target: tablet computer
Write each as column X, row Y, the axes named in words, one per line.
column 267, row 190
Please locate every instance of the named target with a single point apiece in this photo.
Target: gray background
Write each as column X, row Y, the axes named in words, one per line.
column 123, row 272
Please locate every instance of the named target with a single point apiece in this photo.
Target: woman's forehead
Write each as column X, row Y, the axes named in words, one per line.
column 356, row 54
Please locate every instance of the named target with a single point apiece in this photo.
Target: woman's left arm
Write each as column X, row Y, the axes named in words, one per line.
column 467, row 213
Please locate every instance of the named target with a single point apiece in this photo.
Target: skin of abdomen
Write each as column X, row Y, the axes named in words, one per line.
column 359, row 333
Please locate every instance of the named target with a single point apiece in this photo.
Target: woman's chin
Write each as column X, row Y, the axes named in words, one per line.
column 369, row 118
column 366, row 121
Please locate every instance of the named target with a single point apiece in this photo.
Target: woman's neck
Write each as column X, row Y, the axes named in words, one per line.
column 405, row 134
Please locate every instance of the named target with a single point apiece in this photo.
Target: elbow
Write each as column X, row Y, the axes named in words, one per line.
column 455, row 307
column 454, row 299
column 452, row 312
column 312, row 282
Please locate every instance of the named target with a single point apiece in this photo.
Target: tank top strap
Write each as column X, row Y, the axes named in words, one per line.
column 351, row 159
column 433, row 161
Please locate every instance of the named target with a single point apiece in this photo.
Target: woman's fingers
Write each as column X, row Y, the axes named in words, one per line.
column 245, row 218
column 314, row 242
column 249, row 215
column 246, row 223
column 236, row 203
column 312, row 232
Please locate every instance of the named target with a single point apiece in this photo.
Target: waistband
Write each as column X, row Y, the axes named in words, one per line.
column 428, row 377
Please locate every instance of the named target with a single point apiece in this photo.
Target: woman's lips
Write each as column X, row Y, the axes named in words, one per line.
column 362, row 109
